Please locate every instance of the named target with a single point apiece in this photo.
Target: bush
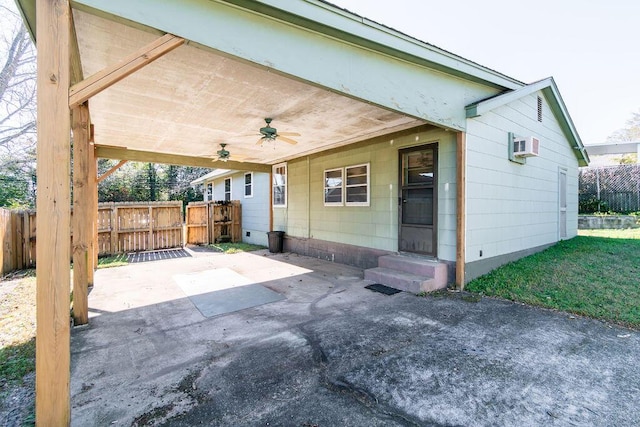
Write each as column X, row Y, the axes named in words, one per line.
column 592, row 205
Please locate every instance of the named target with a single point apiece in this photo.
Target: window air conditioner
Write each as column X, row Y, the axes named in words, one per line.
column 526, row 147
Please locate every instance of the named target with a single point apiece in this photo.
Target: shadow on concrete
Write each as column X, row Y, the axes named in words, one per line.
column 334, row 353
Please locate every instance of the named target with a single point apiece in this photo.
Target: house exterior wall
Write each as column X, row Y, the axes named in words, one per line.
column 255, row 209
column 513, row 208
column 374, row 226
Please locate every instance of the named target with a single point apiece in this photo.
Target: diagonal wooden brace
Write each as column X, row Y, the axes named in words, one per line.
column 92, row 85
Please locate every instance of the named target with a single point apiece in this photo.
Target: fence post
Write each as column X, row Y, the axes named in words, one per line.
column 114, row 231
column 150, row 228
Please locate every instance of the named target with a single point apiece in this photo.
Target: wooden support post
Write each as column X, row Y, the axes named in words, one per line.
column 82, row 213
column 53, row 222
column 94, row 177
column 461, row 198
column 271, row 201
column 93, row 212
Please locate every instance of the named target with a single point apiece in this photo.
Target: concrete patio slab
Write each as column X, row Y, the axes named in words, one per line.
column 335, row 354
column 222, row 290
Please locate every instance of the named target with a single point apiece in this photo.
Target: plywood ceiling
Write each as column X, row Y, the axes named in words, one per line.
column 192, row 99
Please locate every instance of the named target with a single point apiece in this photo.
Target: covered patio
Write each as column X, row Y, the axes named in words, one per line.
column 170, row 82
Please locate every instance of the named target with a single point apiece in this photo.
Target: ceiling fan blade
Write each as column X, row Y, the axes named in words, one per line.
column 259, row 141
column 288, row 134
column 287, row 140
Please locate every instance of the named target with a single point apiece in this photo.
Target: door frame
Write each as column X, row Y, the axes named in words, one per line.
column 436, row 168
column 562, row 210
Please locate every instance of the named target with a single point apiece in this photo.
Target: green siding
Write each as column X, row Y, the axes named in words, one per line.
column 374, row 226
column 512, row 207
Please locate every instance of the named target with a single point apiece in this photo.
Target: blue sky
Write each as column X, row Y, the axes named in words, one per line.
column 590, row 47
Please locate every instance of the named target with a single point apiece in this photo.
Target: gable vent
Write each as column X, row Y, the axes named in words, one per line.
column 539, row 109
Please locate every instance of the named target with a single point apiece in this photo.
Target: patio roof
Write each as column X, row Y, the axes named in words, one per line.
column 243, row 62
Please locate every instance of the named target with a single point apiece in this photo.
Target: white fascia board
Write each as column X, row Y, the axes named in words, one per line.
column 550, row 90
column 479, row 108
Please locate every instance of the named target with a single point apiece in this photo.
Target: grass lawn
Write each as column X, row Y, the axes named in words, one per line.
column 595, row 274
column 17, row 328
column 234, row 248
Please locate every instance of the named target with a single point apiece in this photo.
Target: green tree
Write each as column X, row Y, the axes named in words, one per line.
column 631, row 132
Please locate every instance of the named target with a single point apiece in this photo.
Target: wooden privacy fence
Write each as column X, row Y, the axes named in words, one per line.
column 122, row 227
column 214, row 222
column 16, row 246
column 136, row 227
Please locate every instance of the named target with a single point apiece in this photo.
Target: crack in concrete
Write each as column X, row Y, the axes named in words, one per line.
column 342, row 386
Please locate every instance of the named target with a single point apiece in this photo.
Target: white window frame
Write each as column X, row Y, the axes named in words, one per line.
column 208, row 195
column 325, row 188
column 367, row 185
column 249, row 186
column 345, row 186
column 230, row 192
column 284, row 184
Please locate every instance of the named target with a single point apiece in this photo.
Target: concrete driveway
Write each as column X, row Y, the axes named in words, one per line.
column 335, row 354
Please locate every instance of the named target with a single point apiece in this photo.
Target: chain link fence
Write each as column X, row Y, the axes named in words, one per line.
column 610, row 189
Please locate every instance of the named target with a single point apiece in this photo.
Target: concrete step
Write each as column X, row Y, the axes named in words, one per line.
column 404, row 281
column 415, row 265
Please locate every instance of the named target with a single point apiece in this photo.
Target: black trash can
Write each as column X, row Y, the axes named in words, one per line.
column 275, row 241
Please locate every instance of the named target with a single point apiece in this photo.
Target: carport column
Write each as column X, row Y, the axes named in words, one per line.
column 82, row 213
column 93, row 213
column 461, row 198
column 54, row 208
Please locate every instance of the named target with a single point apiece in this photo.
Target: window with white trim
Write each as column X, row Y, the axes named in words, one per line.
column 227, row 189
column 357, row 185
column 348, row 186
column 333, row 187
column 209, row 194
column 248, row 185
column 279, row 185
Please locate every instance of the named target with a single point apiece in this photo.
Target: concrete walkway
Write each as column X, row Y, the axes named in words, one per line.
column 335, row 354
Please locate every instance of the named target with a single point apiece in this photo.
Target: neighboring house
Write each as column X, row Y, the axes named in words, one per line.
column 251, row 189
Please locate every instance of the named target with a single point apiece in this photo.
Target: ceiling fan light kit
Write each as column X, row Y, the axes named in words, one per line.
column 269, row 135
column 223, row 154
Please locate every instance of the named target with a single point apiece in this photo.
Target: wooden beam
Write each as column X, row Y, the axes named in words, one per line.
column 53, row 223
column 82, row 213
column 112, row 170
column 92, row 85
column 111, row 152
column 461, row 198
column 76, row 74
